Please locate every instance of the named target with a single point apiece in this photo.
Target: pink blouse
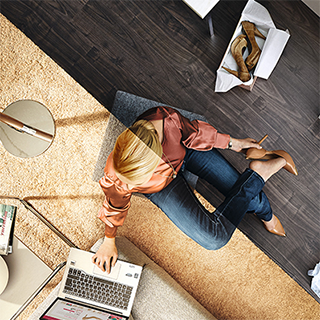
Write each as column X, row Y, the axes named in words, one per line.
column 179, row 133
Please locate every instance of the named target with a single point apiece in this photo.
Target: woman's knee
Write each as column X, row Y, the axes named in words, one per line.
column 213, row 242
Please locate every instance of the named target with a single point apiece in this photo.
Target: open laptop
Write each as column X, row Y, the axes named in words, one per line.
column 86, row 292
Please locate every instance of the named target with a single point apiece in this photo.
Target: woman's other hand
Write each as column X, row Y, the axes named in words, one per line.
column 240, row 145
column 107, row 255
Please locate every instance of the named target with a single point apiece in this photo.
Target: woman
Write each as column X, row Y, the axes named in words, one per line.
column 150, row 158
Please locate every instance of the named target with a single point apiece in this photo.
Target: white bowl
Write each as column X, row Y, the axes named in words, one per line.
column 4, row 275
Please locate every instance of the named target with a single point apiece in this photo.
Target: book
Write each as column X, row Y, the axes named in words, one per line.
column 7, row 220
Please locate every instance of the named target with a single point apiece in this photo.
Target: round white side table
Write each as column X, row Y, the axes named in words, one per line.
column 27, row 128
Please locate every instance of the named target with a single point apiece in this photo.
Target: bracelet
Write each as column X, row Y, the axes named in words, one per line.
column 230, row 144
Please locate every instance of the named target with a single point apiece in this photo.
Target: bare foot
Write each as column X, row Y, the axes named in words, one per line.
column 267, row 168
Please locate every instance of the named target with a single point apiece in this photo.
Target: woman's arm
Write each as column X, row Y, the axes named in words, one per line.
column 201, row 135
column 239, row 145
column 117, row 200
column 113, row 213
column 113, row 217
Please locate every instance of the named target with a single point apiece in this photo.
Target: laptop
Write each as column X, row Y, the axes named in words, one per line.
column 86, row 292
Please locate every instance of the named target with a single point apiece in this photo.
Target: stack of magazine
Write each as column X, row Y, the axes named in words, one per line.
column 7, row 220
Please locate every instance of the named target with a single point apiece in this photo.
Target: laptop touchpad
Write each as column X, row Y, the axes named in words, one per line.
column 113, row 274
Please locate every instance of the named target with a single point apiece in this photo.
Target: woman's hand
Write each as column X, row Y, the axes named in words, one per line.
column 107, row 255
column 239, row 145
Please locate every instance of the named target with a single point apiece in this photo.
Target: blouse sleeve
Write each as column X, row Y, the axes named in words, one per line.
column 200, row 135
column 115, row 206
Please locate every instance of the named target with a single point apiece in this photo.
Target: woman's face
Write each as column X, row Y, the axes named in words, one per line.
column 136, row 183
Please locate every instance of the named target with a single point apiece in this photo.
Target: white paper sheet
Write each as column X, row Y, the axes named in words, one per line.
column 272, row 48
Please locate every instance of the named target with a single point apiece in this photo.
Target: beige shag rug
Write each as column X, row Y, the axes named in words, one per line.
column 237, row 282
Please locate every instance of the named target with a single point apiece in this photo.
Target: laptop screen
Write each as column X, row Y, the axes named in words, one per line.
column 65, row 310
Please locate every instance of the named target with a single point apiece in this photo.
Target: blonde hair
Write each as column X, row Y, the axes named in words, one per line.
column 137, row 151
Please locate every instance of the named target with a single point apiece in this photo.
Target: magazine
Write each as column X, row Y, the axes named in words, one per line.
column 7, row 219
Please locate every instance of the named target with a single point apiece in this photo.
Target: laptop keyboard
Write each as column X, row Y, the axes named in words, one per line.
column 92, row 288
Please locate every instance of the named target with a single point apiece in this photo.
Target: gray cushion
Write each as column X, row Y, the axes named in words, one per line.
column 159, row 296
column 126, row 108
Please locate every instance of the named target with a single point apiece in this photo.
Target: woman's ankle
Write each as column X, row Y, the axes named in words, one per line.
column 267, row 169
column 270, row 223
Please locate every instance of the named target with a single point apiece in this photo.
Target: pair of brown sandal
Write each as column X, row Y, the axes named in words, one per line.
column 238, row 46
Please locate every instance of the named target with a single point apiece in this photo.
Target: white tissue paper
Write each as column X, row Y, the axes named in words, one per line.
column 272, row 48
column 315, row 282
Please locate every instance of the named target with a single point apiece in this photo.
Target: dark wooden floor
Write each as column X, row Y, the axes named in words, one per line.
column 161, row 50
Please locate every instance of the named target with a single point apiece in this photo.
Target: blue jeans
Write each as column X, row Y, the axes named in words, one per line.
column 243, row 193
